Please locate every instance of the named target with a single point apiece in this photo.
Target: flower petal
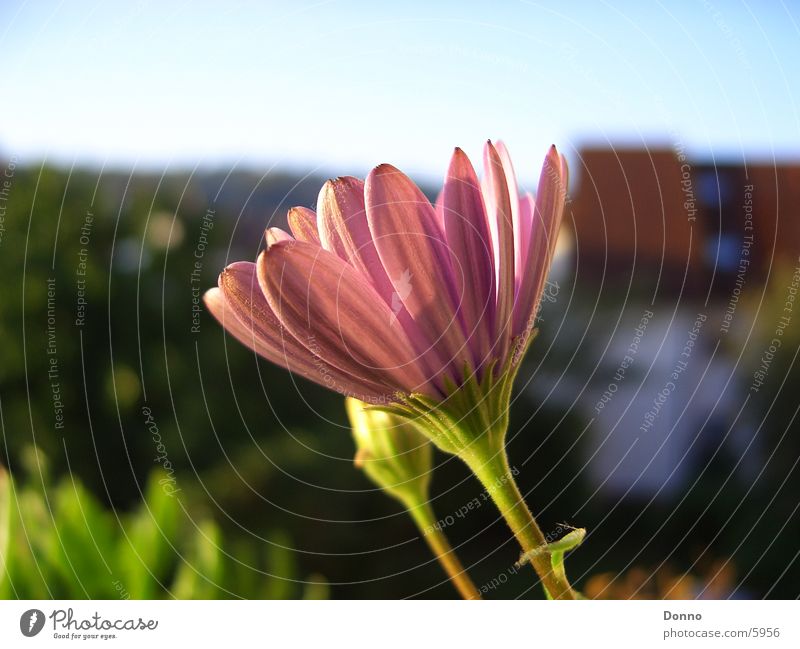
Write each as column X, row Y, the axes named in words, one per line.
column 547, row 215
column 514, row 200
column 527, row 207
column 334, row 311
column 498, row 206
column 470, row 243
column 273, row 235
column 416, row 259
column 343, row 228
column 303, row 224
column 240, row 307
column 438, row 208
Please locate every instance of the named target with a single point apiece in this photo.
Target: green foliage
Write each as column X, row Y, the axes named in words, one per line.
column 5, row 525
column 119, row 292
column 58, row 541
column 198, row 577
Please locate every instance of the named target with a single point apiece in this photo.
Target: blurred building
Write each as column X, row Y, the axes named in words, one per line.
column 664, row 247
column 655, row 212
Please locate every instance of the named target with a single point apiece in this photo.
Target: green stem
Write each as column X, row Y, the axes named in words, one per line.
column 494, row 472
column 426, row 522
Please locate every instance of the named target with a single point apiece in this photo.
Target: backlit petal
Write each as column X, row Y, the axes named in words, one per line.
column 343, row 228
column 470, row 243
column 514, row 200
column 303, row 224
column 273, row 235
column 414, row 255
column 501, row 224
column 332, row 310
column 239, row 305
column 547, row 214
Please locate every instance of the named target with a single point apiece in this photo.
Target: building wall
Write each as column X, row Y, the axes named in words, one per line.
column 776, row 206
column 649, row 215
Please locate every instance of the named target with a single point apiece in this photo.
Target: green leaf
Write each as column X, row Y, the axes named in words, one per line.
column 556, row 550
column 36, row 468
column 146, row 552
column 567, row 542
column 200, row 573
column 84, row 536
column 5, row 530
column 163, row 511
column 38, row 544
column 281, row 568
column 317, row 587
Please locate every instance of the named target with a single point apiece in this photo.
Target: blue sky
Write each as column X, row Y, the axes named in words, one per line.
column 346, row 85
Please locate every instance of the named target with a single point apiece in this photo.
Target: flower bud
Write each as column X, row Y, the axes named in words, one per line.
column 392, row 452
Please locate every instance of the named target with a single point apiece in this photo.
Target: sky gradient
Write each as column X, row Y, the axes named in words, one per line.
column 342, row 86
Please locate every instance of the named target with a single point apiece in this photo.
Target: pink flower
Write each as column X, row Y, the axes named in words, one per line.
column 379, row 294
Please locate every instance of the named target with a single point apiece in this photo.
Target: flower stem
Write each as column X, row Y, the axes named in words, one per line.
column 494, row 472
column 423, row 516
